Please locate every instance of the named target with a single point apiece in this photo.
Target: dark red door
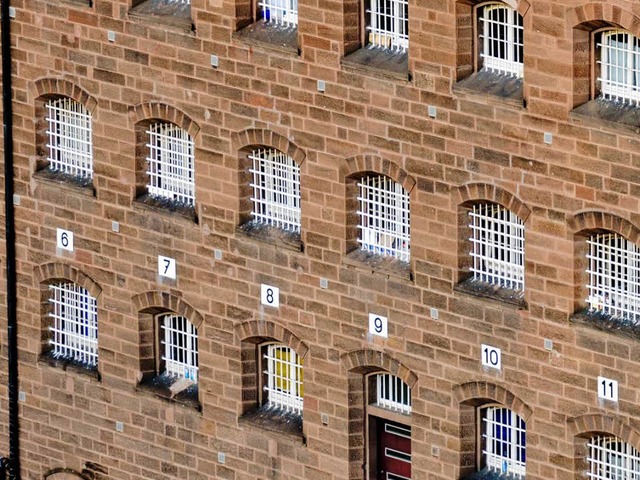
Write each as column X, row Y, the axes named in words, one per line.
column 394, row 451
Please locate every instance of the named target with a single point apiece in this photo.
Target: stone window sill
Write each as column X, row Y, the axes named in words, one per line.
column 503, row 88
column 166, row 206
column 379, row 264
column 618, row 116
column 608, row 324
column 69, row 365
column 270, row 35
column 166, row 13
column 163, row 387
column 477, row 289
column 52, row 178
column 284, row 424
column 271, row 235
column 379, row 61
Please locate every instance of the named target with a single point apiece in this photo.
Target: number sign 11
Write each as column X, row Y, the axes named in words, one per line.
column 378, row 325
column 270, row 296
column 167, row 267
column 491, row 356
column 607, row 389
column 64, row 239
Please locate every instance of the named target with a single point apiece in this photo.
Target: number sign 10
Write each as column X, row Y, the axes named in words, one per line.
column 167, row 267
column 64, row 239
column 378, row 325
column 270, row 296
column 607, row 389
column 491, row 357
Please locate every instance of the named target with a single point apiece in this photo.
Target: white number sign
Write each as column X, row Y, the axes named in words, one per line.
column 270, row 296
column 378, row 325
column 64, row 239
column 491, row 356
column 167, row 267
column 607, row 389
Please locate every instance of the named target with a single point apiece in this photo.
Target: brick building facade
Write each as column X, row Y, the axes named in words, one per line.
column 271, row 132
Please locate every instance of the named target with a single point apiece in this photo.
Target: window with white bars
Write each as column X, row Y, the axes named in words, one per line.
column 609, row 458
column 614, row 276
column 501, row 36
column 171, row 163
column 69, row 138
column 280, row 12
column 392, row 393
column 283, row 384
column 74, row 330
column 620, row 66
column 497, row 246
column 179, row 340
column 388, row 24
column 276, row 189
column 503, row 441
column 383, row 217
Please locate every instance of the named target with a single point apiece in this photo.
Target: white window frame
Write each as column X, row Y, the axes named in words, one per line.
column 276, row 189
column 614, row 276
column 384, row 217
column 392, row 393
column 179, row 339
column 69, row 137
column 609, row 458
column 74, row 332
column 502, row 35
column 497, row 246
column 170, row 163
column 619, row 66
column 280, row 12
column 388, row 24
column 503, row 454
column 283, row 372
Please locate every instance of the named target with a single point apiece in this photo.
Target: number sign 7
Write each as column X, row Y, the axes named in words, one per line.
column 167, row 267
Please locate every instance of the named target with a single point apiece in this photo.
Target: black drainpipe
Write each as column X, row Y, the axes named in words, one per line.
column 10, row 233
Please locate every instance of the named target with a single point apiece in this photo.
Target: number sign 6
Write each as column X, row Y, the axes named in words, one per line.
column 607, row 389
column 64, row 239
column 378, row 325
column 491, row 357
column 167, row 267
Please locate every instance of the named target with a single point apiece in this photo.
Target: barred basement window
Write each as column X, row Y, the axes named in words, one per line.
column 180, row 345
column 501, row 39
column 614, row 276
column 392, row 393
column 281, row 12
column 619, row 66
column 69, row 138
column 497, row 246
column 283, row 378
column 276, row 189
column 74, row 332
column 383, row 217
column 171, row 163
column 388, row 24
column 609, row 458
column 503, row 441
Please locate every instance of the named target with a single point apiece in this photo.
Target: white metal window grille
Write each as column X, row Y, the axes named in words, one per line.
column 69, row 138
column 609, row 458
column 388, row 25
column 284, row 378
column 180, row 341
column 614, row 276
column 620, row 66
column 384, row 217
column 502, row 40
column 276, row 189
column 74, row 332
column 497, row 246
column 504, row 441
column 392, row 393
column 280, row 12
column 171, row 163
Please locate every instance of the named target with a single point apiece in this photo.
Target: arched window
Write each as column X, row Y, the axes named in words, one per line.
column 501, row 39
column 283, row 384
column 503, row 441
column 609, row 458
column 179, row 348
column 619, row 65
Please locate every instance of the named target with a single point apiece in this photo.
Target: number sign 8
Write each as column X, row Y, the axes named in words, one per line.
column 64, row 239
column 270, row 296
column 378, row 325
column 607, row 389
column 167, row 267
column 491, row 356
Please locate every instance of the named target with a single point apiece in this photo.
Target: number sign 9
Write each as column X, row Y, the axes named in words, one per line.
column 378, row 325
column 167, row 267
column 270, row 296
column 491, row 356
column 64, row 239
column 607, row 389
